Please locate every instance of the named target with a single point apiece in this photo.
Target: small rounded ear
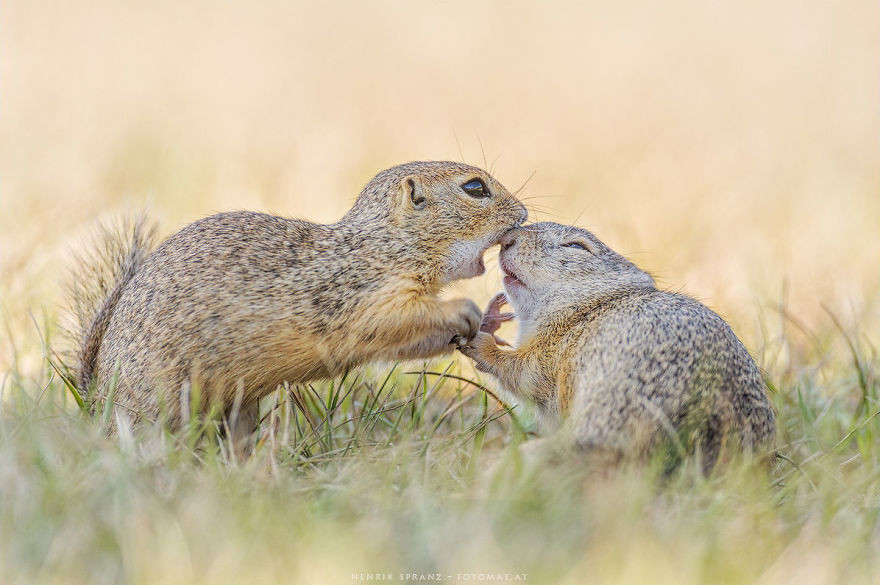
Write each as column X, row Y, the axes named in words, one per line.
column 414, row 192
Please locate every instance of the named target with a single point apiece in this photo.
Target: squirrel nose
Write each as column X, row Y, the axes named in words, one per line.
column 509, row 239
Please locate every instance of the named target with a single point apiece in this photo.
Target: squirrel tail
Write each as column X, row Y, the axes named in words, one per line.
column 119, row 251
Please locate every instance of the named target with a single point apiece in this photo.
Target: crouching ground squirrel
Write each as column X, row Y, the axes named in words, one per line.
column 618, row 364
column 241, row 302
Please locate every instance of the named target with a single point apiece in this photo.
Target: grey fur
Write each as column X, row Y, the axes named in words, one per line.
column 619, row 365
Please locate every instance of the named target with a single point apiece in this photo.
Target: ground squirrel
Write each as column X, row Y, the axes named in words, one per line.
column 617, row 364
column 240, row 302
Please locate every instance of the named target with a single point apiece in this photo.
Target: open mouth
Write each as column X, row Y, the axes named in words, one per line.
column 510, row 279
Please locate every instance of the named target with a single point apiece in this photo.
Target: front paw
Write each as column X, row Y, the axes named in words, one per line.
column 463, row 320
column 493, row 317
column 478, row 348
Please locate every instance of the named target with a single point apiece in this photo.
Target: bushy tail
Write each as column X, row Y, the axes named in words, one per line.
column 118, row 251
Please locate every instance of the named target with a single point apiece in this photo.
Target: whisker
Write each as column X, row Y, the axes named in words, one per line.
column 540, row 197
column 578, row 218
column 492, row 166
column 523, row 186
column 458, row 145
column 485, row 164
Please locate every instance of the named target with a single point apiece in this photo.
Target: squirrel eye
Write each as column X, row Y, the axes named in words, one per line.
column 475, row 188
column 576, row 246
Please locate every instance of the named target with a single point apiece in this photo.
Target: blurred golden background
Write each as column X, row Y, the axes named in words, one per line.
column 729, row 148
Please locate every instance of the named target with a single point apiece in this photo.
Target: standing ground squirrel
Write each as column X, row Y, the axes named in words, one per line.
column 620, row 365
column 240, row 302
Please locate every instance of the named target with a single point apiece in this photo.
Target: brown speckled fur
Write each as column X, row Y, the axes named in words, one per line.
column 240, row 302
column 616, row 363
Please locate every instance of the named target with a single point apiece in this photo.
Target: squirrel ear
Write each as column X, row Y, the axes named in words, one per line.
column 414, row 192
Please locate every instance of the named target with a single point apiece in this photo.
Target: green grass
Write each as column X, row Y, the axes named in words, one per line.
column 391, row 472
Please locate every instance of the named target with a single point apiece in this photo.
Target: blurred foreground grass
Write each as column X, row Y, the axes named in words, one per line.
column 389, row 472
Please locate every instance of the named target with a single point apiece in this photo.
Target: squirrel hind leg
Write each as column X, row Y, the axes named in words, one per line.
column 240, row 427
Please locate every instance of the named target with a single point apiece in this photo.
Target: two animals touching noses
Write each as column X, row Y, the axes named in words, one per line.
column 241, row 302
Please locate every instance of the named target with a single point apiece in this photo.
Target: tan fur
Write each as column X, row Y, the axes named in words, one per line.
column 237, row 303
column 618, row 364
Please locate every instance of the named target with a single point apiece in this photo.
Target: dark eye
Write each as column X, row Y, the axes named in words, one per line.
column 576, row 246
column 476, row 188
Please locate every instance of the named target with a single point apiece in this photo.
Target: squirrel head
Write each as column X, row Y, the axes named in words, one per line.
column 550, row 267
column 448, row 213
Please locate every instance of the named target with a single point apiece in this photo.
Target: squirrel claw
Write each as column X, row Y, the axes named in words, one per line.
column 498, row 301
column 493, row 317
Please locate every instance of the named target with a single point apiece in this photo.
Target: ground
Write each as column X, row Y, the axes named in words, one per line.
column 415, row 474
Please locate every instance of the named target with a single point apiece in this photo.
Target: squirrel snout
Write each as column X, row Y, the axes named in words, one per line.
column 508, row 239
